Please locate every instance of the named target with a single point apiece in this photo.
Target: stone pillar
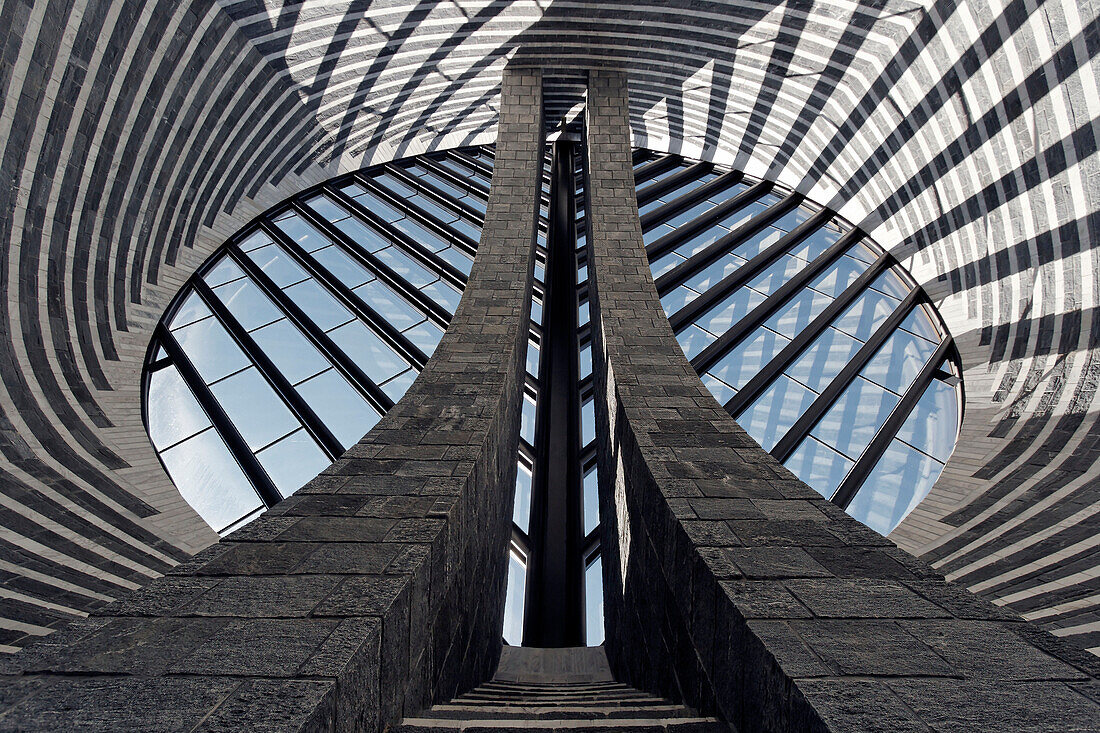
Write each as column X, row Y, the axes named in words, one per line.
column 374, row 591
column 737, row 589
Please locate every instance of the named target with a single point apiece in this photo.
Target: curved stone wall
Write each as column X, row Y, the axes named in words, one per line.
column 137, row 137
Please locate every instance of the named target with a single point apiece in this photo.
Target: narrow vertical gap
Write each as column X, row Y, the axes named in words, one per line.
column 554, row 608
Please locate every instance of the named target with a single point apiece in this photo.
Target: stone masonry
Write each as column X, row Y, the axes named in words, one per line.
column 733, row 587
column 378, row 589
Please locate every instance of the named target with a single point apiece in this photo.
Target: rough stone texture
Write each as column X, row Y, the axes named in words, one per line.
column 355, row 601
column 779, row 613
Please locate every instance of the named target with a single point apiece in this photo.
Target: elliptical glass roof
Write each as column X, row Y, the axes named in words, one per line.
column 816, row 341
column 292, row 340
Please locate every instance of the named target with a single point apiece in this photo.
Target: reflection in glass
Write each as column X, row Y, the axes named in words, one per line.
column 819, row 466
column 339, row 406
column 293, row 461
column 210, row 480
column 593, row 603
column 900, row 479
column 178, row 414
column 513, row 601
column 259, row 415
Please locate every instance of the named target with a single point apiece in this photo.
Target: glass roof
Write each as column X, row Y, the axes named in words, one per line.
column 295, row 338
column 815, row 340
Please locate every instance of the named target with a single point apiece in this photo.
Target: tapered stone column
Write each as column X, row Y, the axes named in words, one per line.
column 735, row 588
column 374, row 591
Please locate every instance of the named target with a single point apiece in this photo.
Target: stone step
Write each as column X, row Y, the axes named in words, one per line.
column 634, row 725
column 592, row 712
column 479, row 695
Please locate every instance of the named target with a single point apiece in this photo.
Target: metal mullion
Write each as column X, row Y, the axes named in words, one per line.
column 654, row 167
column 236, row 443
column 707, row 220
column 727, row 243
column 461, row 156
column 742, row 275
column 836, row 387
column 471, row 185
column 406, row 243
column 590, row 546
column 414, row 212
column 309, row 419
column 426, row 305
column 773, row 302
column 336, row 356
column 691, row 198
column 889, row 430
column 805, row 337
column 440, row 197
column 409, row 351
column 676, row 180
column 520, row 538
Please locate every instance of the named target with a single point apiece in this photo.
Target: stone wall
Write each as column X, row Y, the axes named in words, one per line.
column 735, row 588
column 374, row 591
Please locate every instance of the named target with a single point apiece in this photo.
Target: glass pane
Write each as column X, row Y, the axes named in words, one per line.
column 319, row 304
column 805, row 306
column 443, row 294
column 324, row 206
column 248, row 304
column 343, row 266
column 293, row 461
column 693, row 340
column 388, row 181
column 898, row 362
column 839, row 275
column 891, row 283
column 673, row 302
column 406, row 267
column 255, row 409
column 934, row 423
column 819, row 466
column 588, row 422
column 758, row 242
column 774, row 412
column 225, row 271
column 591, row 501
column 822, row 361
column 898, row 482
column 814, row 246
column 293, row 354
column 210, row 349
column 521, row 509
column 456, row 258
column 304, row 234
column 513, row 600
column 852, row 421
column 174, row 413
column 527, row 419
column 586, row 360
column 278, row 265
column 721, row 391
column 792, row 219
column 664, row 264
column 863, row 317
column 388, row 304
column 701, row 241
column 210, row 480
column 532, row 359
column 192, row 309
column 426, row 336
column 339, row 406
column 746, row 359
column 396, row 387
column 691, row 213
column 919, row 322
column 363, row 234
column 712, row 274
column 776, row 274
column 254, row 240
column 593, row 603
column 373, row 356
column 374, row 204
column 721, row 317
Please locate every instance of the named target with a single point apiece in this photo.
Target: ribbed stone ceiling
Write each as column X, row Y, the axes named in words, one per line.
column 137, row 137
